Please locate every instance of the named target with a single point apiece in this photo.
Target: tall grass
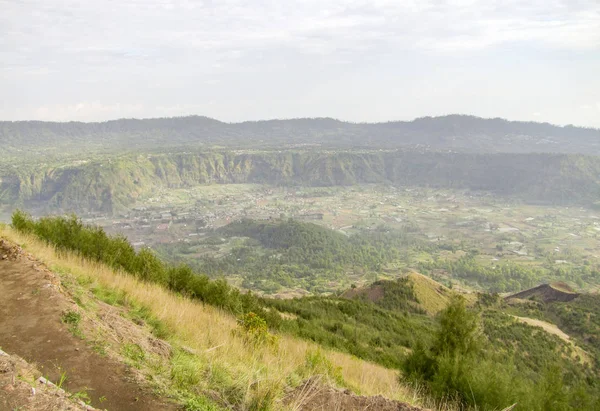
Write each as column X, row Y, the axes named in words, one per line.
column 252, row 376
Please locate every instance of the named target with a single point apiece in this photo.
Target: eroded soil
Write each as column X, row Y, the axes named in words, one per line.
column 312, row 395
column 31, row 305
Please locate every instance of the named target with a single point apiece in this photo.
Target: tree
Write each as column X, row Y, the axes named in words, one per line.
column 446, row 365
column 459, row 330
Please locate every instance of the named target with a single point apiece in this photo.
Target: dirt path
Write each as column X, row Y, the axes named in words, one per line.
column 31, row 305
column 549, row 328
column 22, row 388
column 554, row 330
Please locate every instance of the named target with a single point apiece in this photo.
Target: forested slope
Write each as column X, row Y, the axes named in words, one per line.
column 456, row 132
column 111, row 184
column 476, row 356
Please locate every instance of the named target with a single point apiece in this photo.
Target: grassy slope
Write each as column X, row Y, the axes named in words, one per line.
column 433, row 297
column 221, row 356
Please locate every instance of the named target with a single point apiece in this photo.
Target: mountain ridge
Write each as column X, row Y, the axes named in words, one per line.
column 302, row 119
column 451, row 132
column 109, row 185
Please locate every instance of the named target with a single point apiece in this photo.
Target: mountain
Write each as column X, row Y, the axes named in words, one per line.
column 452, row 132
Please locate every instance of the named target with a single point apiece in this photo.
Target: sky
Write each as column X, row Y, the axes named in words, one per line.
column 355, row 60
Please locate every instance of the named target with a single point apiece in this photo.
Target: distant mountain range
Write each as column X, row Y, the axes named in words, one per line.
column 452, row 132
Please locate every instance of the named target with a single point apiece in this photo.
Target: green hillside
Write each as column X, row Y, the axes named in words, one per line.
column 114, row 183
column 475, row 356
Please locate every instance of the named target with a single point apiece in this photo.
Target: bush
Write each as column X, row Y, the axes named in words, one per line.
column 255, row 330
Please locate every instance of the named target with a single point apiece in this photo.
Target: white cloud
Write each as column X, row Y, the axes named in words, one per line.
column 159, row 53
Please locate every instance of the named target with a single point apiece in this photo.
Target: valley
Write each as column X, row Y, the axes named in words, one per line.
column 184, row 225
column 332, row 256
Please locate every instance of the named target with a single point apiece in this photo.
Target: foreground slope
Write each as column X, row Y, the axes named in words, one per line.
column 205, row 362
column 474, row 355
column 33, row 304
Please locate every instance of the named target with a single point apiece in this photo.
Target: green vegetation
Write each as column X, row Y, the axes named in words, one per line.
column 358, row 327
column 580, row 318
column 476, row 356
column 285, row 253
column 72, row 319
column 111, row 184
column 255, row 330
column 509, row 276
column 462, row 365
column 117, row 252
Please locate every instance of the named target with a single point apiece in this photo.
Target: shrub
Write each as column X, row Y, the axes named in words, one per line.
column 255, row 330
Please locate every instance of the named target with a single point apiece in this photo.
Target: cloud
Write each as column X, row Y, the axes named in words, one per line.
column 112, row 30
column 144, row 54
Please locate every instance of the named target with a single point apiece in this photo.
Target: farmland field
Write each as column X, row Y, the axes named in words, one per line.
column 183, row 224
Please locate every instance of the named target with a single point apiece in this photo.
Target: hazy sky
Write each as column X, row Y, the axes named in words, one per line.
column 350, row 59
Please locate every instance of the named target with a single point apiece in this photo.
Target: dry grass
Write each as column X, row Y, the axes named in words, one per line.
column 210, row 334
column 433, row 297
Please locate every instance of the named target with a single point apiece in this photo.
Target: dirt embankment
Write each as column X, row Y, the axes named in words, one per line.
column 312, row 395
column 22, row 387
column 31, row 308
column 547, row 293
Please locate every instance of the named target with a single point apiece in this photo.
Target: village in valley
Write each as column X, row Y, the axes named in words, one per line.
column 500, row 229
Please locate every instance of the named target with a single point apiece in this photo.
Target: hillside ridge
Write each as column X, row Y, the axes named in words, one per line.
column 113, row 184
column 455, row 132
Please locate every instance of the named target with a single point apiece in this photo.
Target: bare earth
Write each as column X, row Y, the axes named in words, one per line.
column 312, row 395
column 30, row 327
column 23, row 388
column 554, row 330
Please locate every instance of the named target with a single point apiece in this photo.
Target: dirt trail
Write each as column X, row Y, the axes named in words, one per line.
column 31, row 304
column 554, row 330
column 549, row 328
column 23, row 388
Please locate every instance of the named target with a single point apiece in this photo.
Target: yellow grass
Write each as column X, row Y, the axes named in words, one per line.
column 210, row 332
column 433, row 297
